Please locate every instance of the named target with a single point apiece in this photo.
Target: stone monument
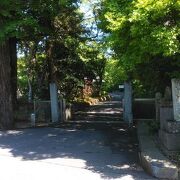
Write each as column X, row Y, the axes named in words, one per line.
column 176, row 98
column 168, row 95
column 169, row 132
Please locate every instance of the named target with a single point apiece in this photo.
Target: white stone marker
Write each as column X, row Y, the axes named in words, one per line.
column 176, row 98
column 54, row 103
column 128, row 117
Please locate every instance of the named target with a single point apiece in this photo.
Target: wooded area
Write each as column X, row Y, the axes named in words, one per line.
column 44, row 41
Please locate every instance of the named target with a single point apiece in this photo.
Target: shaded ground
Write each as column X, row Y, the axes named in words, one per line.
column 104, row 111
column 75, row 151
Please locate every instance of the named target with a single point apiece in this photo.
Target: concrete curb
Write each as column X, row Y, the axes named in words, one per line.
column 151, row 158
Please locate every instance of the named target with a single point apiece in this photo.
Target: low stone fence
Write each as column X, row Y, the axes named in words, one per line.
column 42, row 111
column 144, row 108
column 23, row 111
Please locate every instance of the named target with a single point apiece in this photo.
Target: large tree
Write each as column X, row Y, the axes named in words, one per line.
column 142, row 33
column 142, row 28
column 6, row 116
column 34, row 22
column 7, row 61
column 52, row 50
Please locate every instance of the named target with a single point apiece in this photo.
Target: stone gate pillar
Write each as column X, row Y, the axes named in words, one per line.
column 54, row 103
column 127, row 104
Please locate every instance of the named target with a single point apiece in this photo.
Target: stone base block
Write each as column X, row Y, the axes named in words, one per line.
column 152, row 159
column 160, row 169
column 171, row 141
column 166, row 113
column 172, row 126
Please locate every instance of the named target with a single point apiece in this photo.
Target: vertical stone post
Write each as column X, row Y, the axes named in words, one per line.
column 54, row 103
column 62, row 103
column 61, row 109
column 158, row 98
column 127, row 104
column 64, row 109
column 176, row 98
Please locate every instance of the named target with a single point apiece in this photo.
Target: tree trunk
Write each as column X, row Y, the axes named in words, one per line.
column 13, row 63
column 6, row 112
column 49, row 47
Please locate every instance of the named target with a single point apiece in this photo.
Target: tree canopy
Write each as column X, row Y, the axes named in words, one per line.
column 142, row 28
column 143, row 32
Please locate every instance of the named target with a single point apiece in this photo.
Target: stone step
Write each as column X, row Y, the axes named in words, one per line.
column 152, row 159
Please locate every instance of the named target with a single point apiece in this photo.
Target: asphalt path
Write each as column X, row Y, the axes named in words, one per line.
column 96, row 152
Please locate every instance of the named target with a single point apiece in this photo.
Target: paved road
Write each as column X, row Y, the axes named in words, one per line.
column 96, row 152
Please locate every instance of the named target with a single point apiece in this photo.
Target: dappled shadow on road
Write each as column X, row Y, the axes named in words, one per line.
column 109, row 151
column 104, row 111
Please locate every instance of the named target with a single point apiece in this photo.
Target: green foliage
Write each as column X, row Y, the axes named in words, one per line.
column 92, row 54
column 142, row 28
column 36, row 78
column 144, row 36
column 7, row 21
column 156, row 74
column 139, row 90
column 22, row 75
column 153, row 127
column 114, row 75
column 50, row 22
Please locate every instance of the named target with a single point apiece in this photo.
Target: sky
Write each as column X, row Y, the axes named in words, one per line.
column 87, row 9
